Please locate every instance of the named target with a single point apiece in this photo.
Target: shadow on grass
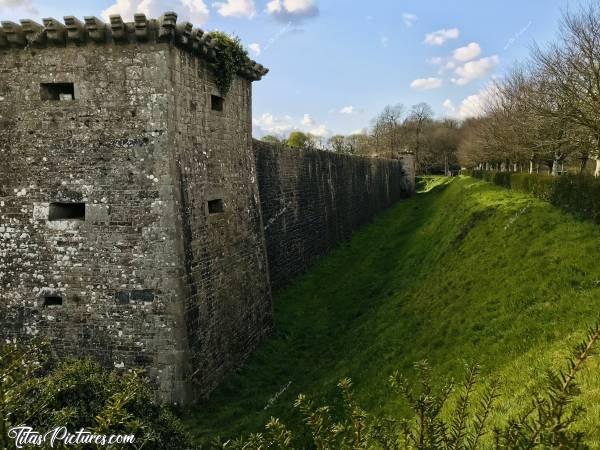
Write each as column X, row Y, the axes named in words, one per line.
column 319, row 323
column 462, row 272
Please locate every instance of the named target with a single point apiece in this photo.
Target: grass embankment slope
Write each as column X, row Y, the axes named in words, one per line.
column 466, row 272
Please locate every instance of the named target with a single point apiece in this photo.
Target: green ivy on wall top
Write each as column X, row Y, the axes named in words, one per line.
column 231, row 57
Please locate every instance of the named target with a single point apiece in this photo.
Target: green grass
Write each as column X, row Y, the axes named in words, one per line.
column 464, row 272
column 426, row 183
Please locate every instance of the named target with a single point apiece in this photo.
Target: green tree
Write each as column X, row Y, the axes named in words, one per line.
column 298, row 139
column 81, row 394
column 271, row 139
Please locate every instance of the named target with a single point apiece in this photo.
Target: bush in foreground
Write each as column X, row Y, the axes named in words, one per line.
column 437, row 422
column 80, row 394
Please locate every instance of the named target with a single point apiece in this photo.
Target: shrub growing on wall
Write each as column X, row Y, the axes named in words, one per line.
column 231, row 58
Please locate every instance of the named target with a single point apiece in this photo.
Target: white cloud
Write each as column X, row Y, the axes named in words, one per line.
column 426, row 83
column 292, row 10
column 308, row 121
column 471, row 106
column 320, row 131
column 409, row 19
column 385, row 41
column 444, row 63
column 449, row 65
column 359, row 131
column 236, row 8
column 254, row 48
column 459, row 56
column 475, row 69
column 274, row 7
column 298, row 6
column 449, row 106
column 467, row 53
column 439, row 37
column 195, row 11
column 347, row 109
column 268, row 124
column 21, row 5
column 464, row 110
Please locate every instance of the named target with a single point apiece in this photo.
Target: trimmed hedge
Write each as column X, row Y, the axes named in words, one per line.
column 578, row 194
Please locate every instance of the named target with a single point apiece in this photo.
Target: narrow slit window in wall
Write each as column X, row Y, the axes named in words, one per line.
column 215, row 206
column 66, row 211
column 52, row 300
column 216, row 103
column 57, row 91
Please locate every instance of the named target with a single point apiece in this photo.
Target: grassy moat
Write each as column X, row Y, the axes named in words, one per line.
column 463, row 272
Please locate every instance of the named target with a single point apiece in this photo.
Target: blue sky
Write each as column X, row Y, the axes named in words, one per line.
column 335, row 64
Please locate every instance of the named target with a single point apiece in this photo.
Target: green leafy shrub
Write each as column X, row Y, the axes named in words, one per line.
column 449, row 418
column 80, row 394
column 18, row 365
column 579, row 194
column 298, row 139
column 231, row 57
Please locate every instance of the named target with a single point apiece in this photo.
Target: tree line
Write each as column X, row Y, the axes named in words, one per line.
column 394, row 131
column 544, row 115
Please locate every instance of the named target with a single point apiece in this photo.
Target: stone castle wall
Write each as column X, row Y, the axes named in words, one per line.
column 312, row 200
column 151, row 275
column 131, row 228
column 116, row 271
column 227, row 297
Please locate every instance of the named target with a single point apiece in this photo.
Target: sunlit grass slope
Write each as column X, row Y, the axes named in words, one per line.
column 464, row 272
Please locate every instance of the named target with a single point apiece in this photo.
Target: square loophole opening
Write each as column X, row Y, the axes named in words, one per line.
column 66, row 211
column 57, row 91
column 53, row 300
column 216, row 103
column 216, row 206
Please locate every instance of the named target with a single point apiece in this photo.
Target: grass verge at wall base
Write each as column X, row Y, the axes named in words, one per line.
column 464, row 272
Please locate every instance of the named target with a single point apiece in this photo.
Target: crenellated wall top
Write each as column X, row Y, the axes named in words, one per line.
column 93, row 31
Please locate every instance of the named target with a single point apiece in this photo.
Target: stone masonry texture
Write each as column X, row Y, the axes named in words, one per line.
column 134, row 206
column 312, row 200
column 152, row 276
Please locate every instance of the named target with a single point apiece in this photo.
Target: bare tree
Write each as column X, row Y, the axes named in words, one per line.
column 337, row 143
column 420, row 115
column 360, row 144
column 387, row 132
column 445, row 143
column 523, row 128
column 573, row 68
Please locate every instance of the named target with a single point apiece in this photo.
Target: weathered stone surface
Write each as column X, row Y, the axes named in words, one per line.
column 228, row 299
column 312, row 200
column 165, row 29
column 130, row 217
column 148, row 278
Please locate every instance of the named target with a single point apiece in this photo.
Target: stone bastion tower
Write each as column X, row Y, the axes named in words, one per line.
column 130, row 226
